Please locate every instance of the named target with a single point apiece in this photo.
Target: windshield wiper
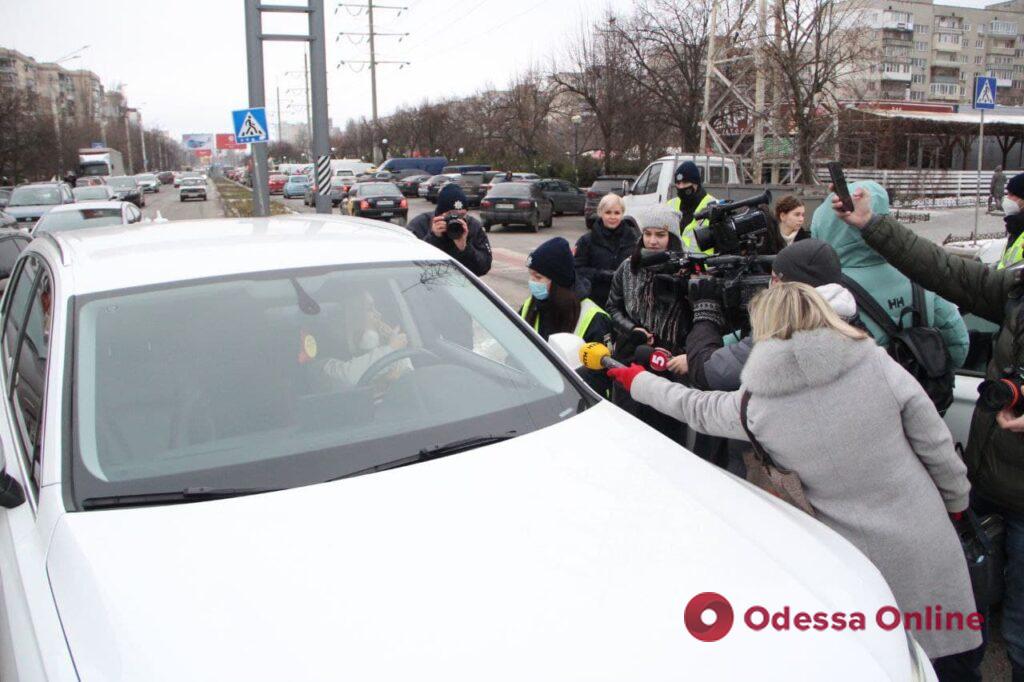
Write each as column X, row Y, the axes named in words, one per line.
column 434, row 452
column 190, row 494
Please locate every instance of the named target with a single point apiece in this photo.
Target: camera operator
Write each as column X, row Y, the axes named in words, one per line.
column 995, row 448
column 690, row 199
column 455, row 232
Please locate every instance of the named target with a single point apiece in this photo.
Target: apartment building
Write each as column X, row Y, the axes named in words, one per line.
column 78, row 94
column 927, row 52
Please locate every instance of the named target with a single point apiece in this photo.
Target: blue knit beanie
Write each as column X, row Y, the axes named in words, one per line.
column 554, row 260
column 688, row 172
column 451, row 198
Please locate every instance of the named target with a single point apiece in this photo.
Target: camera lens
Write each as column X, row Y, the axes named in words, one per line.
column 997, row 395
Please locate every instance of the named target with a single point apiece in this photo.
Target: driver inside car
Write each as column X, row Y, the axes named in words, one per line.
column 366, row 338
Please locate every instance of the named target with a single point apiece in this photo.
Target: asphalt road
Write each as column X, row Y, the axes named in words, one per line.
column 166, row 203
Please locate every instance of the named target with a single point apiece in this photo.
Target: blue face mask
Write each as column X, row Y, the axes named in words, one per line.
column 538, row 290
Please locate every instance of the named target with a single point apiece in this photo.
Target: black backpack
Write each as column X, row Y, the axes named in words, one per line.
column 919, row 348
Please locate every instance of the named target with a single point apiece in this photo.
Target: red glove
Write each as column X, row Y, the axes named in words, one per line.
column 625, row 375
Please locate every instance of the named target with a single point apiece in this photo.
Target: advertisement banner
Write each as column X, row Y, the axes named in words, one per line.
column 196, row 141
column 227, row 141
column 203, row 153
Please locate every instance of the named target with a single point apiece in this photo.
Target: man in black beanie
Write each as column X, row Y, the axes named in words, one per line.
column 1012, row 204
column 690, row 199
column 451, row 229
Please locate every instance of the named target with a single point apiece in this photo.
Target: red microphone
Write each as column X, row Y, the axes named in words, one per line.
column 654, row 359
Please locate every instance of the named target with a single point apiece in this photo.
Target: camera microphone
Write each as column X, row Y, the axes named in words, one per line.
column 649, row 257
column 596, row 356
column 654, row 359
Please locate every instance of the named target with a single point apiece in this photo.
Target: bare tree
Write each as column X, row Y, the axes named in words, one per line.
column 817, row 44
column 525, row 108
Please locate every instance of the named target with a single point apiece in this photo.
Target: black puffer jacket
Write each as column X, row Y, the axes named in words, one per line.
column 477, row 255
column 599, row 253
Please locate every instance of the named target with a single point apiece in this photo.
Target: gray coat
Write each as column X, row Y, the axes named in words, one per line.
column 876, row 460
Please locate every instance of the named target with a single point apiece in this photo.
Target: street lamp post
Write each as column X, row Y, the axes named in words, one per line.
column 384, row 150
column 58, row 109
column 576, row 120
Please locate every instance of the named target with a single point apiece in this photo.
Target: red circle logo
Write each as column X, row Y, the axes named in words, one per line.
column 719, row 606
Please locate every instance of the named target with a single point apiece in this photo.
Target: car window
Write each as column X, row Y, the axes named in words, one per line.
column 17, row 305
column 80, row 218
column 980, row 334
column 134, row 214
column 652, row 179
column 641, row 182
column 35, row 196
column 28, row 374
column 294, row 377
column 512, row 189
column 11, row 246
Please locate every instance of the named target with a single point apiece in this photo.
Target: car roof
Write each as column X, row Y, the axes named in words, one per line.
column 118, row 257
column 92, row 205
column 40, row 184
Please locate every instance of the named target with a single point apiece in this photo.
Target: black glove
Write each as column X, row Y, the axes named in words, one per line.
column 706, row 293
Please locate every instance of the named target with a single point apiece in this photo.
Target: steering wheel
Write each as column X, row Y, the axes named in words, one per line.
column 391, row 358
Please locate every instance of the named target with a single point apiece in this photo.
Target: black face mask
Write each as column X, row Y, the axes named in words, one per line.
column 685, row 193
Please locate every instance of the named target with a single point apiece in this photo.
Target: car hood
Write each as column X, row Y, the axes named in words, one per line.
column 565, row 554
column 21, row 212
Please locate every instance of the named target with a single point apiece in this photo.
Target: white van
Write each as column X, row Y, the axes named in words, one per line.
column 656, row 184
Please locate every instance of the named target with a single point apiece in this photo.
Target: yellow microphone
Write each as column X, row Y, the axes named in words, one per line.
column 596, row 356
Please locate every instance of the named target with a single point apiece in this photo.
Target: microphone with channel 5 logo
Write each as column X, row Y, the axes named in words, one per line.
column 653, row 359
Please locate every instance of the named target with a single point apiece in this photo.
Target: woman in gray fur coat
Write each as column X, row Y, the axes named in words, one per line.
column 876, row 461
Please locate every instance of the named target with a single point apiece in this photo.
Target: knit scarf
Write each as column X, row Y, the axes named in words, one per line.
column 644, row 308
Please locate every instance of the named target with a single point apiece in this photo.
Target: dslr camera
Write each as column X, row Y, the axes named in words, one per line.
column 733, row 227
column 1003, row 393
column 454, row 226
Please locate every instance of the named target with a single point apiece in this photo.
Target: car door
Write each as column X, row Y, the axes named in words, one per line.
column 545, row 206
column 645, row 190
column 33, row 646
column 575, row 198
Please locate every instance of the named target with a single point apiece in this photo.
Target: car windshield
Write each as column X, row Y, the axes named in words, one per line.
column 292, row 377
column 298, row 180
column 78, row 219
column 123, row 182
column 510, row 189
column 379, row 189
column 34, row 196
column 146, row 178
column 192, row 182
column 278, row 178
column 91, row 193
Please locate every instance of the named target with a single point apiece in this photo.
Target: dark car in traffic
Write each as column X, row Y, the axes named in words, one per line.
column 616, row 184
column 166, row 177
column 409, row 187
column 377, row 200
column 517, row 203
column 431, row 187
column 566, row 197
column 127, row 188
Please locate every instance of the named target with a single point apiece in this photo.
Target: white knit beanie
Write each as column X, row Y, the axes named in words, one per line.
column 657, row 215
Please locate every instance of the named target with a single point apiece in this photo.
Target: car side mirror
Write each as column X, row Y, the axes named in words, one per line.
column 625, row 188
column 11, row 492
column 568, row 348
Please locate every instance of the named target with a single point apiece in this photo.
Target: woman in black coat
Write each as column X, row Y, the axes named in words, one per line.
column 609, row 241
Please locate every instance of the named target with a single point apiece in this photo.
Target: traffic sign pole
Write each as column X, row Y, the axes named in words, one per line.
column 257, row 98
column 981, row 149
column 318, row 105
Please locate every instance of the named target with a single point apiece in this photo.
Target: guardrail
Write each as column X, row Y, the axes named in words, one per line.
column 930, row 188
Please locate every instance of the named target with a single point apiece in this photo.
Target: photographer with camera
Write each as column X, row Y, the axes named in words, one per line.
column 995, row 448
column 691, row 198
column 886, row 299
column 454, row 231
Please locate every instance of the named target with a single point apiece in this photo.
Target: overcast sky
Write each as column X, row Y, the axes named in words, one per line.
column 183, row 61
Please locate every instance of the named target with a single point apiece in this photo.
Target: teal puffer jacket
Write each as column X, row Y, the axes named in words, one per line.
column 886, row 284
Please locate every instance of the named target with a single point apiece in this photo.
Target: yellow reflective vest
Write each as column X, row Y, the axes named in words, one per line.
column 1013, row 254
column 588, row 311
column 689, row 241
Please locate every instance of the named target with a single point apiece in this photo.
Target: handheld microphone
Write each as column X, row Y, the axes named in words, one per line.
column 596, row 356
column 654, row 359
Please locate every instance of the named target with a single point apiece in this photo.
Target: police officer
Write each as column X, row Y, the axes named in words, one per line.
column 690, row 198
column 1012, row 203
column 465, row 240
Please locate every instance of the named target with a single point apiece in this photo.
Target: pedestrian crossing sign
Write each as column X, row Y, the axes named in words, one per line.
column 984, row 92
column 250, row 125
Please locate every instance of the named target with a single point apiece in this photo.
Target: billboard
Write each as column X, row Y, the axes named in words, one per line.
column 202, row 153
column 227, row 141
column 196, row 141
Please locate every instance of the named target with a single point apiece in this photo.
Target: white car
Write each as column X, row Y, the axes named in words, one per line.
column 192, row 188
column 149, row 182
column 311, row 447
column 88, row 214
